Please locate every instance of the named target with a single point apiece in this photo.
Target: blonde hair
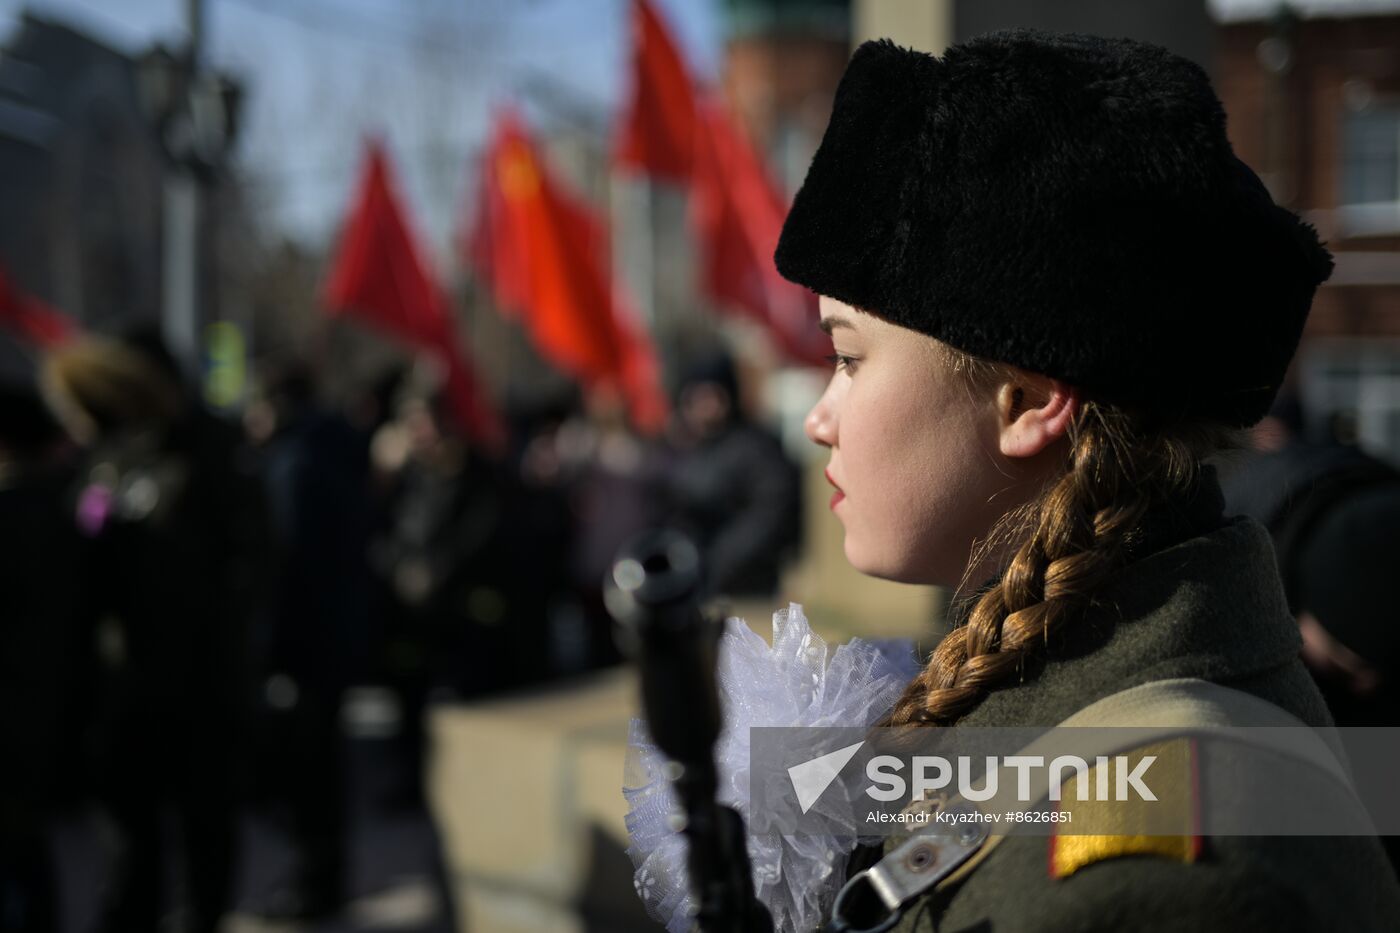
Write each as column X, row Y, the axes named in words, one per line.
column 96, row 384
column 1066, row 542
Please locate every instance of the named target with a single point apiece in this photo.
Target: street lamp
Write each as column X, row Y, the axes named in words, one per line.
column 194, row 114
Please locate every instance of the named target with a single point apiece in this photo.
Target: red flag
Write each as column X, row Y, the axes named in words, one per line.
column 545, row 256
column 737, row 214
column 379, row 277
column 736, row 211
column 659, row 131
column 29, row 317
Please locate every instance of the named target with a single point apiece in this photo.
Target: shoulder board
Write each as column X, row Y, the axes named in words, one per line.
column 1138, row 826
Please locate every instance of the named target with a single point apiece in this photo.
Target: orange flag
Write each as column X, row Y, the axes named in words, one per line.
column 378, row 276
column 545, row 256
column 659, row 132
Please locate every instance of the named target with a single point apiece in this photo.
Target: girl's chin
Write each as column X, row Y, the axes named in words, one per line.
column 892, row 570
column 879, row 569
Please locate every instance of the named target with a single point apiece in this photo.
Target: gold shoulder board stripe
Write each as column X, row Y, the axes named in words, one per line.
column 1175, row 782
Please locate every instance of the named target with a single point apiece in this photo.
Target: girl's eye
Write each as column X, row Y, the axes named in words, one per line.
column 842, row 362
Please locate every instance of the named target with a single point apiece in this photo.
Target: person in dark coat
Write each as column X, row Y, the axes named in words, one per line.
column 1053, row 291
column 316, row 470
column 452, row 626
column 44, row 665
column 172, row 518
column 612, row 481
column 1333, row 511
column 731, row 486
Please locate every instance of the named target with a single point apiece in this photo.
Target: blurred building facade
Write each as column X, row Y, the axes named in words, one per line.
column 1313, row 92
column 782, row 62
column 92, row 138
column 80, row 176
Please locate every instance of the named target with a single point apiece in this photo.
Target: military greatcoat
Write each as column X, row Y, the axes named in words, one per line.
column 1203, row 599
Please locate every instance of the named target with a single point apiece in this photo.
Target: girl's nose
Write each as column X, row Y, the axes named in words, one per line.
column 820, row 425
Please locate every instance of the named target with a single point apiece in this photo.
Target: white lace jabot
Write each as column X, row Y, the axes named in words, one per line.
column 789, row 684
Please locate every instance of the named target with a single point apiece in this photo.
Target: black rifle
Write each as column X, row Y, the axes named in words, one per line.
column 654, row 594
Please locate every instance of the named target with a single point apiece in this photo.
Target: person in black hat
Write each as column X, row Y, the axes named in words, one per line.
column 1053, row 291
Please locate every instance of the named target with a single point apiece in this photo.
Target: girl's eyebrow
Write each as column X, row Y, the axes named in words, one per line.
column 828, row 324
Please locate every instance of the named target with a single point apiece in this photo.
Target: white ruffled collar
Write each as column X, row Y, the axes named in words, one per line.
column 788, row 684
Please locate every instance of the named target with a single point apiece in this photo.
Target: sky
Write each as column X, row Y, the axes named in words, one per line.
column 424, row 75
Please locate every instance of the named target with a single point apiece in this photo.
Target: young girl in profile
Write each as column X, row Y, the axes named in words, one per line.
column 1053, row 292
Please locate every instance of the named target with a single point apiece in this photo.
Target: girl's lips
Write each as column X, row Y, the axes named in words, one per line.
column 837, row 496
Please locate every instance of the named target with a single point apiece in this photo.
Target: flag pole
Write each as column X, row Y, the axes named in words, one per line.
column 659, row 327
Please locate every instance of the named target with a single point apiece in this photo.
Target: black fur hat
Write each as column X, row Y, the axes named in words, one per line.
column 1064, row 203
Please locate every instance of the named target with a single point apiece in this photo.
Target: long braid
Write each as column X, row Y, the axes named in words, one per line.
column 1119, row 465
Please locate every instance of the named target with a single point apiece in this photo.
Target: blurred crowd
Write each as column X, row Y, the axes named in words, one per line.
column 189, row 597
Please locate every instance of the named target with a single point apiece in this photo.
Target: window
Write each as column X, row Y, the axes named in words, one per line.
column 1370, row 182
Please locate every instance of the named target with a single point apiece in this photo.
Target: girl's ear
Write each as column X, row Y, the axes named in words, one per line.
column 1034, row 412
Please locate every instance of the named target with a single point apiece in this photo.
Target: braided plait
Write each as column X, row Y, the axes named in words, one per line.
column 1074, row 536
